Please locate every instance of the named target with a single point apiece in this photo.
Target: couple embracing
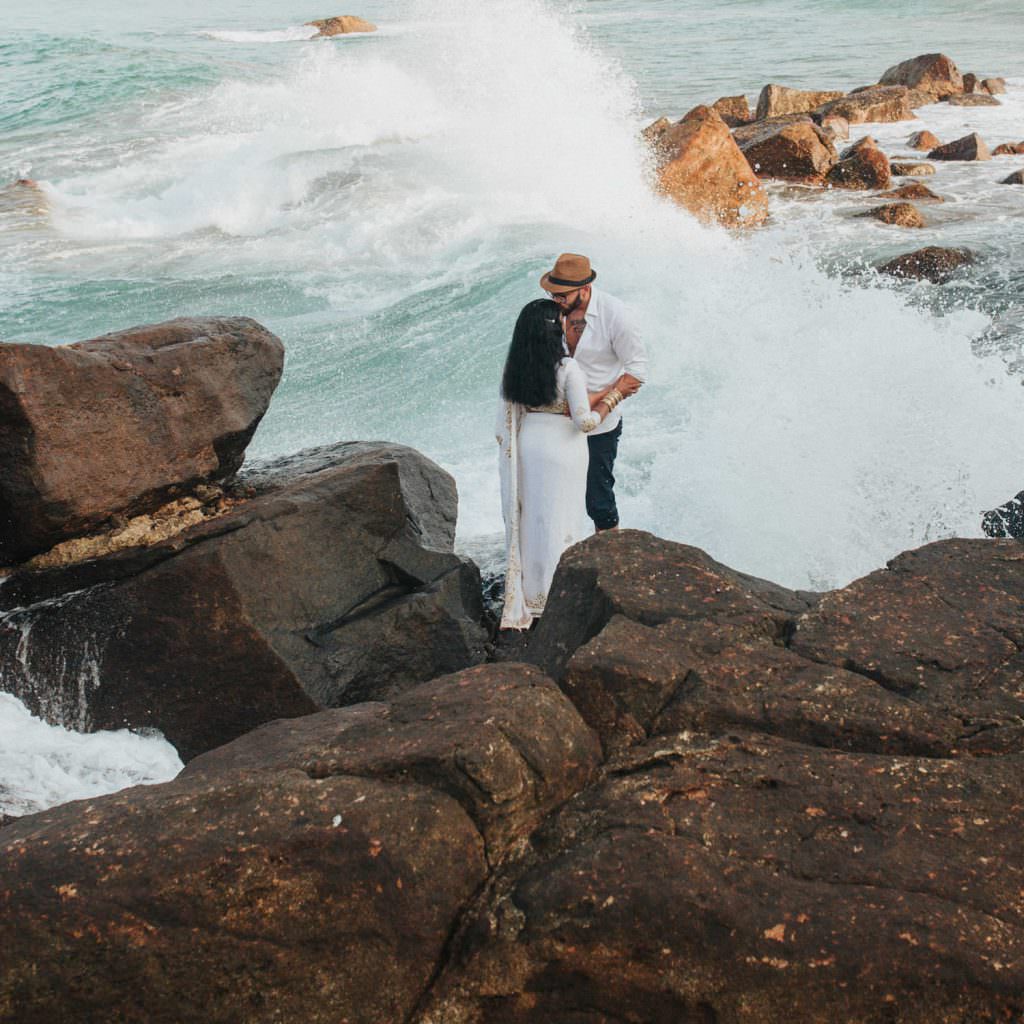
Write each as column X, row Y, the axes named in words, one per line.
column 574, row 358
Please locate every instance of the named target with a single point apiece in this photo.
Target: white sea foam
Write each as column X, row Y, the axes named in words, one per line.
column 43, row 765
column 293, row 34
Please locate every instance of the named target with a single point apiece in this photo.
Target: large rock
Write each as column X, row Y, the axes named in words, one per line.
column 1009, row 149
column 780, row 99
column 116, row 425
column 313, row 871
column 336, row 583
column 933, row 263
column 733, row 110
column 932, row 73
column 749, row 879
column 342, row 25
column 866, row 167
column 799, row 152
column 970, row 147
column 702, row 168
column 877, row 104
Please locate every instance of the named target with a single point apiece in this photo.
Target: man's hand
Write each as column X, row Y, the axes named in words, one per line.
column 628, row 385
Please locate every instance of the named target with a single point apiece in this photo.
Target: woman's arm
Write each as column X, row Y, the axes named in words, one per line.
column 583, row 415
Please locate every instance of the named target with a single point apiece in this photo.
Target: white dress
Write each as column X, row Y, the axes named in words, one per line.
column 543, row 466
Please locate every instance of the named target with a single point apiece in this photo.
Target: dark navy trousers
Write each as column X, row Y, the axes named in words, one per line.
column 601, row 479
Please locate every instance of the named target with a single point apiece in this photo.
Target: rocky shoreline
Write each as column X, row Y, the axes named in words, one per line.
column 689, row 794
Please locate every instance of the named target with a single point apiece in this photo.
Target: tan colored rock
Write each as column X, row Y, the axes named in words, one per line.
column 1017, row 178
column 911, row 168
column 780, row 99
column 923, row 140
column 880, row 104
column 733, row 110
column 913, row 190
column 836, row 127
column 932, row 263
column 745, row 133
column 903, row 215
column 1009, row 149
column 993, row 86
column 342, row 25
column 799, row 152
column 973, row 99
column 867, row 167
column 920, row 98
column 970, row 147
column 702, row 168
column 933, row 73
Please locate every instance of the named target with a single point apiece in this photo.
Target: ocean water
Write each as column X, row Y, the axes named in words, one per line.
column 387, row 202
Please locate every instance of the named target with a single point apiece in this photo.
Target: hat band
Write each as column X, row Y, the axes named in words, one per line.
column 570, row 284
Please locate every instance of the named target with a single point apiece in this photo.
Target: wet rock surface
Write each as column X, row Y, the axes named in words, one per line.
column 881, row 103
column 898, row 214
column 693, row 803
column 780, row 99
column 122, row 423
column 931, row 73
column 798, row 151
column 970, row 147
column 932, row 263
column 335, row 583
column 864, row 167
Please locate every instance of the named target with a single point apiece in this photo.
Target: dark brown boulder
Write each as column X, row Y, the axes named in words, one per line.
column 335, row 584
column 1007, row 520
column 973, row 99
column 913, row 191
column 1017, row 178
column 1009, row 149
column 903, row 215
column 932, row 73
column 933, row 263
column 877, row 104
column 923, row 140
column 702, row 168
column 970, row 147
column 780, row 99
column 733, row 110
column 118, row 424
column 970, row 82
column 793, row 152
column 314, row 870
column 911, row 168
column 753, row 879
column 342, row 25
column 866, row 167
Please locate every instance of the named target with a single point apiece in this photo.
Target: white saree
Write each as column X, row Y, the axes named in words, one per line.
column 543, row 467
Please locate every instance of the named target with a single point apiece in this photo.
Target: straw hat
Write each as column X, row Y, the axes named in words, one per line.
column 571, row 271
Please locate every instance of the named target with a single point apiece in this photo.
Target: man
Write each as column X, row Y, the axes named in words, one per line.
column 600, row 335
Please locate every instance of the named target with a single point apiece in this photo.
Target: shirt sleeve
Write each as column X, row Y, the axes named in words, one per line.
column 578, row 400
column 628, row 345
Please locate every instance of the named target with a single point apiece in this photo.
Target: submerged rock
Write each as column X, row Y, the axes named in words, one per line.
column 1017, row 178
column 911, row 168
column 701, row 167
column 931, row 73
column 903, row 215
column 780, row 99
column 970, row 147
column 933, row 263
column 923, row 140
column 342, row 25
column 335, row 583
column 913, row 190
column 973, row 99
column 121, row 424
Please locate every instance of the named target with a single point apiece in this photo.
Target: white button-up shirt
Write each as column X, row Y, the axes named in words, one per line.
column 610, row 346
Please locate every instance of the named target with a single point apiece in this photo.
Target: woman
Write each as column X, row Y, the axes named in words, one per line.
column 545, row 415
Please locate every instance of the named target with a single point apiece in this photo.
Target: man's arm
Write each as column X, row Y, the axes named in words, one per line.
column 630, row 349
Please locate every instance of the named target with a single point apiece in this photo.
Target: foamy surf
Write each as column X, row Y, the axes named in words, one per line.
column 43, row 765
column 294, row 34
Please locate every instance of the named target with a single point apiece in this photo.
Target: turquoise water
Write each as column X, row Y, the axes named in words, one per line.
column 386, row 203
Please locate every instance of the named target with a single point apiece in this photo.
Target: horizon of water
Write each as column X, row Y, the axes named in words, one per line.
column 386, row 203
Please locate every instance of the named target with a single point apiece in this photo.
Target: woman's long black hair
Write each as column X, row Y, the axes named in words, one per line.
column 534, row 355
